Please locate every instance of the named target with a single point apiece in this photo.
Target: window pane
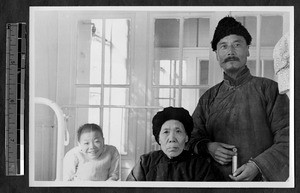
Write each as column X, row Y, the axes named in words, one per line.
column 96, row 52
column 116, row 51
column 168, row 97
column 89, row 52
column 167, row 72
column 268, row 69
column 116, row 96
column 88, row 96
column 190, row 98
column 87, row 115
column 195, row 72
column 190, row 72
column 196, row 32
column 166, row 33
column 271, row 30
column 204, row 72
column 166, row 52
column 196, row 43
column 115, row 54
column 115, row 127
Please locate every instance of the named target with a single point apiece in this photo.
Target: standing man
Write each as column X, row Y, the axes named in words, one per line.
column 243, row 112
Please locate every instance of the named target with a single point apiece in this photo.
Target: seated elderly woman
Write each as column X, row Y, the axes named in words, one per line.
column 172, row 129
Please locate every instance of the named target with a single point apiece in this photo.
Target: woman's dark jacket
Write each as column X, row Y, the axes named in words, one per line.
column 156, row 166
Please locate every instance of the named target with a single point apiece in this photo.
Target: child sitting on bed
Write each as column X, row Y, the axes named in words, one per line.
column 91, row 159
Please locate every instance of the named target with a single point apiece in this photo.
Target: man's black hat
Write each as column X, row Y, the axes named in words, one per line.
column 172, row 113
column 227, row 26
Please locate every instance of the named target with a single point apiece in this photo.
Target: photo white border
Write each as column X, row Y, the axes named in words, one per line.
column 290, row 183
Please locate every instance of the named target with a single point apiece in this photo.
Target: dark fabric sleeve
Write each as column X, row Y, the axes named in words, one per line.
column 137, row 173
column 274, row 162
column 199, row 136
column 212, row 173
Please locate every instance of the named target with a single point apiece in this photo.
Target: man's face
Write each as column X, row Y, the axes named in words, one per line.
column 232, row 52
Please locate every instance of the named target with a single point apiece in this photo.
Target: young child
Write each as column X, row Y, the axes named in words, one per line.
column 91, row 160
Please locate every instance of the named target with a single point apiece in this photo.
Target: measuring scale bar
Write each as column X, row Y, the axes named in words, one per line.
column 14, row 98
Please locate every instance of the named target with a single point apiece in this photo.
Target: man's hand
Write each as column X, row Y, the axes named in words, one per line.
column 246, row 172
column 221, row 152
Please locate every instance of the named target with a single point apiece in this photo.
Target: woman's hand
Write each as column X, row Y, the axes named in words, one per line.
column 221, row 152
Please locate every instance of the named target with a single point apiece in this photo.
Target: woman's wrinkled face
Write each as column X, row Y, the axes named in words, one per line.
column 172, row 138
column 91, row 144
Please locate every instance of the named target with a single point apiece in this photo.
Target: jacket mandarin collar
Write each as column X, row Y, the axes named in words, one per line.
column 241, row 78
column 184, row 154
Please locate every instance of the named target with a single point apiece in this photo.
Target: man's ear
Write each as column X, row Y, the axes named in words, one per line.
column 217, row 55
column 79, row 145
column 186, row 138
column 248, row 53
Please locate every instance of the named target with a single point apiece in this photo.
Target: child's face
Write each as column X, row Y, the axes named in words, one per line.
column 91, row 144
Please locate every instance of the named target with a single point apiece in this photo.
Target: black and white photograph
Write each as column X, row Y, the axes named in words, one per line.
column 161, row 96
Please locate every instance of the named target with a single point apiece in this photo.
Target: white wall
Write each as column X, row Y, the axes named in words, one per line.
column 45, row 86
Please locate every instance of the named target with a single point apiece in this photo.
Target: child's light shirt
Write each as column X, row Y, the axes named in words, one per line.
column 77, row 167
